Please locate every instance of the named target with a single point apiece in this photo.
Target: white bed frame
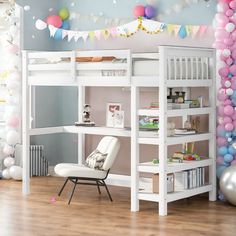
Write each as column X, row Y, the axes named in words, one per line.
column 200, row 74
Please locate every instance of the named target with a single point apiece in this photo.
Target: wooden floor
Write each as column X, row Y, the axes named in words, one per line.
column 91, row 214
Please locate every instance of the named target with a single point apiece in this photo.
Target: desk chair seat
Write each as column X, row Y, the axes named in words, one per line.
column 90, row 176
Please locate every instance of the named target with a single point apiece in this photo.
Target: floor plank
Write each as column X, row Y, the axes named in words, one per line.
column 91, row 214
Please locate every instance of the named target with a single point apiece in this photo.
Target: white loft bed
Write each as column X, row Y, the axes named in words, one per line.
column 169, row 66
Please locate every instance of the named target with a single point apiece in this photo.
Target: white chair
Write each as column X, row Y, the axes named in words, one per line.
column 74, row 172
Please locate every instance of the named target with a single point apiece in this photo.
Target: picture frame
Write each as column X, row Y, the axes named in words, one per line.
column 110, row 110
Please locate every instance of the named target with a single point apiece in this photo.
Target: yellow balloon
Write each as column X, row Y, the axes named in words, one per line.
column 64, row 13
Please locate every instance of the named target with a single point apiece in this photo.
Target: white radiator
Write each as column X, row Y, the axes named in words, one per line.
column 38, row 163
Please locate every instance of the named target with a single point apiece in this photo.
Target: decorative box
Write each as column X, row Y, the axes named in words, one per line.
column 170, row 183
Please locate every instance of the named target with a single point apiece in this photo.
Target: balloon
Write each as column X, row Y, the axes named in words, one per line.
column 6, row 174
column 228, row 158
column 232, row 5
column 16, row 172
column 8, row 150
column 223, row 72
column 219, row 170
column 8, row 162
column 13, row 85
column 232, row 69
column 230, row 27
column 228, row 41
column 229, row 61
column 228, row 110
column 229, row 91
column 220, row 120
column 13, row 121
column 27, row 8
column 231, row 150
column 228, row 184
column 221, row 95
column 139, row 11
column 221, row 34
column 226, row 52
column 58, row 35
column 65, row 25
column 227, row 119
column 219, row 45
column 182, row 32
column 64, row 13
column 15, row 76
column 227, row 83
column 40, row 25
column 54, row 21
column 229, row 13
column 12, row 48
column 220, row 131
column 150, row 12
column 221, row 141
column 222, row 151
column 221, row 111
column 221, row 19
column 12, row 137
column 222, row 7
column 219, row 160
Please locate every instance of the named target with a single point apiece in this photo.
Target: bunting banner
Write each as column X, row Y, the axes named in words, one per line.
column 127, row 30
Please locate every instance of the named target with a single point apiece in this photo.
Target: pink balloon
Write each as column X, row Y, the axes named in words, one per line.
column 234, row 116
column 223, row 81
column 229, row 127
column 228, row 41
column 229, row 12
column 227, row 119
column 12, row 48
column 229, row 61
column 232, row 5
column 234, row 123
column 224, row 71
column 221, row 111
column 140, row 11
column 221, row 34
column 55, row 21
column 233, row 83
column 8, row 150
column 220, row 120
column 233, row 54
column 233, row 35
column 233, row 162
column 220, row 128
column 220, row 160
column 221, row 141
column 219, row 45
column 13, row 121
column 221, row 95
column 221, row 19
column 232, row 69
column 227, row 102
column 228, row 110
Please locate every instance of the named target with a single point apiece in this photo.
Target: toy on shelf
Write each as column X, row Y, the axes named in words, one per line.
column 149, row 123
column 86, row 117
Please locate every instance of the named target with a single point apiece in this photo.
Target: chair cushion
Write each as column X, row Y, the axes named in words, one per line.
column 96, row 160
column 75, row 170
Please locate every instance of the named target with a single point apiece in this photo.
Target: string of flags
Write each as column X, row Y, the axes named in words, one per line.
column 126, row 30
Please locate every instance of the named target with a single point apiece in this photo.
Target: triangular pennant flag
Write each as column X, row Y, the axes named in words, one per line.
column 170, row 28
column 106, row 34
column 84, row 35
column 202, row 30
column 195, row 30
column 52, row 30
column 176, row 29
column 182, row 32
column 91, row 35
column 95, row 19
column 113, row 32
column 77, row 36
column 64, row 33
column 189, row 29
column 70, row 34
column 97, row 34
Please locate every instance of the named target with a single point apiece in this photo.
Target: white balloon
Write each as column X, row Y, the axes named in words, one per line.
column 8, row 162
column 227, row 84
column 40, row 25
column 13, row 137
column 8, row 150
column 6, row 174
column 226, row 52
column 230, row 27
column 27, row 8
column 229, row 91
column 16, row 172
column 13, row 30
column 15, row 76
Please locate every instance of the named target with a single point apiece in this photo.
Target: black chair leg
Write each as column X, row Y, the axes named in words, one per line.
column 99, row 191
column 75, row 183
column 107, row 190
column 59, row 194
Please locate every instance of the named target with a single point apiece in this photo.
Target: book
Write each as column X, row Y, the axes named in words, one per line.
column 183, row 131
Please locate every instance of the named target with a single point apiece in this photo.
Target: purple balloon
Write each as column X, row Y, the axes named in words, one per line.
column 150, row 12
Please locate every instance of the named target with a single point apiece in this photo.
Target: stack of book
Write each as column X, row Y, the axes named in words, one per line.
column 189, row 179
column 183, row 131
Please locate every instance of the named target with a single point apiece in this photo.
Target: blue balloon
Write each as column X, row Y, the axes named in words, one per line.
column 228, row 158
column 65, row 25
column 226, row 164
column 234, row 94
column 58, row 35
column 219, row 170
column 234, row 133
column 182, row 32
column 232, row 150
column 222, row 151
column 228, row 134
